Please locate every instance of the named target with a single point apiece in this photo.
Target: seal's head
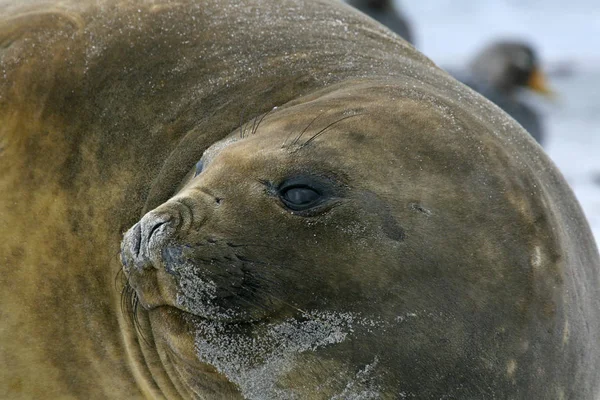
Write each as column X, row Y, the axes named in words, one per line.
column 280, row 224
column 320, row 249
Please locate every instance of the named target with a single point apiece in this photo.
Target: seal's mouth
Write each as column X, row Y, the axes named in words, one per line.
column 209, row 279
column 173, row 314
column 132, row 299
column 186, row 291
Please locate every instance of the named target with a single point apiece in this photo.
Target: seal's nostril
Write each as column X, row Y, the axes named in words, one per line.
column 137, row 239
column 156, row 226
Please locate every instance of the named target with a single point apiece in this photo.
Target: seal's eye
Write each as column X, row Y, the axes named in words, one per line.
column 300, row 197
column 199, row 166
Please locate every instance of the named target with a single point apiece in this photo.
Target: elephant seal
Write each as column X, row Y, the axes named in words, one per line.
column 385, row 232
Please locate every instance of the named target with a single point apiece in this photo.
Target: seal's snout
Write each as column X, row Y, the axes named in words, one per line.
column 154, row 229
column 142, row 244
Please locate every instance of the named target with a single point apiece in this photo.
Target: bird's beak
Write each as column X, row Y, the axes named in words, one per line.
column 539, row 84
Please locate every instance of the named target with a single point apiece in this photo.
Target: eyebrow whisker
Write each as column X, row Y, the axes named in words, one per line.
column 242, row 123
column 255, row 129
column 303, row 131
column 253, row 125
column 327, row 127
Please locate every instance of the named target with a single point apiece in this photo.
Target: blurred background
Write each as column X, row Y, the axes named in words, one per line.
column 565, row 35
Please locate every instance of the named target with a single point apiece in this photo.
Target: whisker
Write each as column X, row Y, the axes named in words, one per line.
column 304, row 130
column 265, row 279
column 304, row 313
column 256, row 289
column 242, row 123
column 129, row 300
column 234, row 245
column 129, row 306
column 262, row 246
column 261, row 120
column 327, row 127
column 247, row 301
column 270, row 295
column 120, row 278
column 253, row 125
column 252, row 245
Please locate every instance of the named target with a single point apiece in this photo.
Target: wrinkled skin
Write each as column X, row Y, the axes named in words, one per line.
column 444, row 255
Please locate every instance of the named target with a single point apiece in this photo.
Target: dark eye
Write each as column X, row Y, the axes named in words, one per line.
column 199, row 166
column 300, row 198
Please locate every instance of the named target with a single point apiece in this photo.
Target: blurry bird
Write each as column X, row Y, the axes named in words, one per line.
column 386, row 13
column 499, row 72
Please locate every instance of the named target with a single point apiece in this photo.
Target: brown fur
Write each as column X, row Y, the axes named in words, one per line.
column 104, row 109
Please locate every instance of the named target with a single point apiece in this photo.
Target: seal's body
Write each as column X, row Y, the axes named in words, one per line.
column 384, row 233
